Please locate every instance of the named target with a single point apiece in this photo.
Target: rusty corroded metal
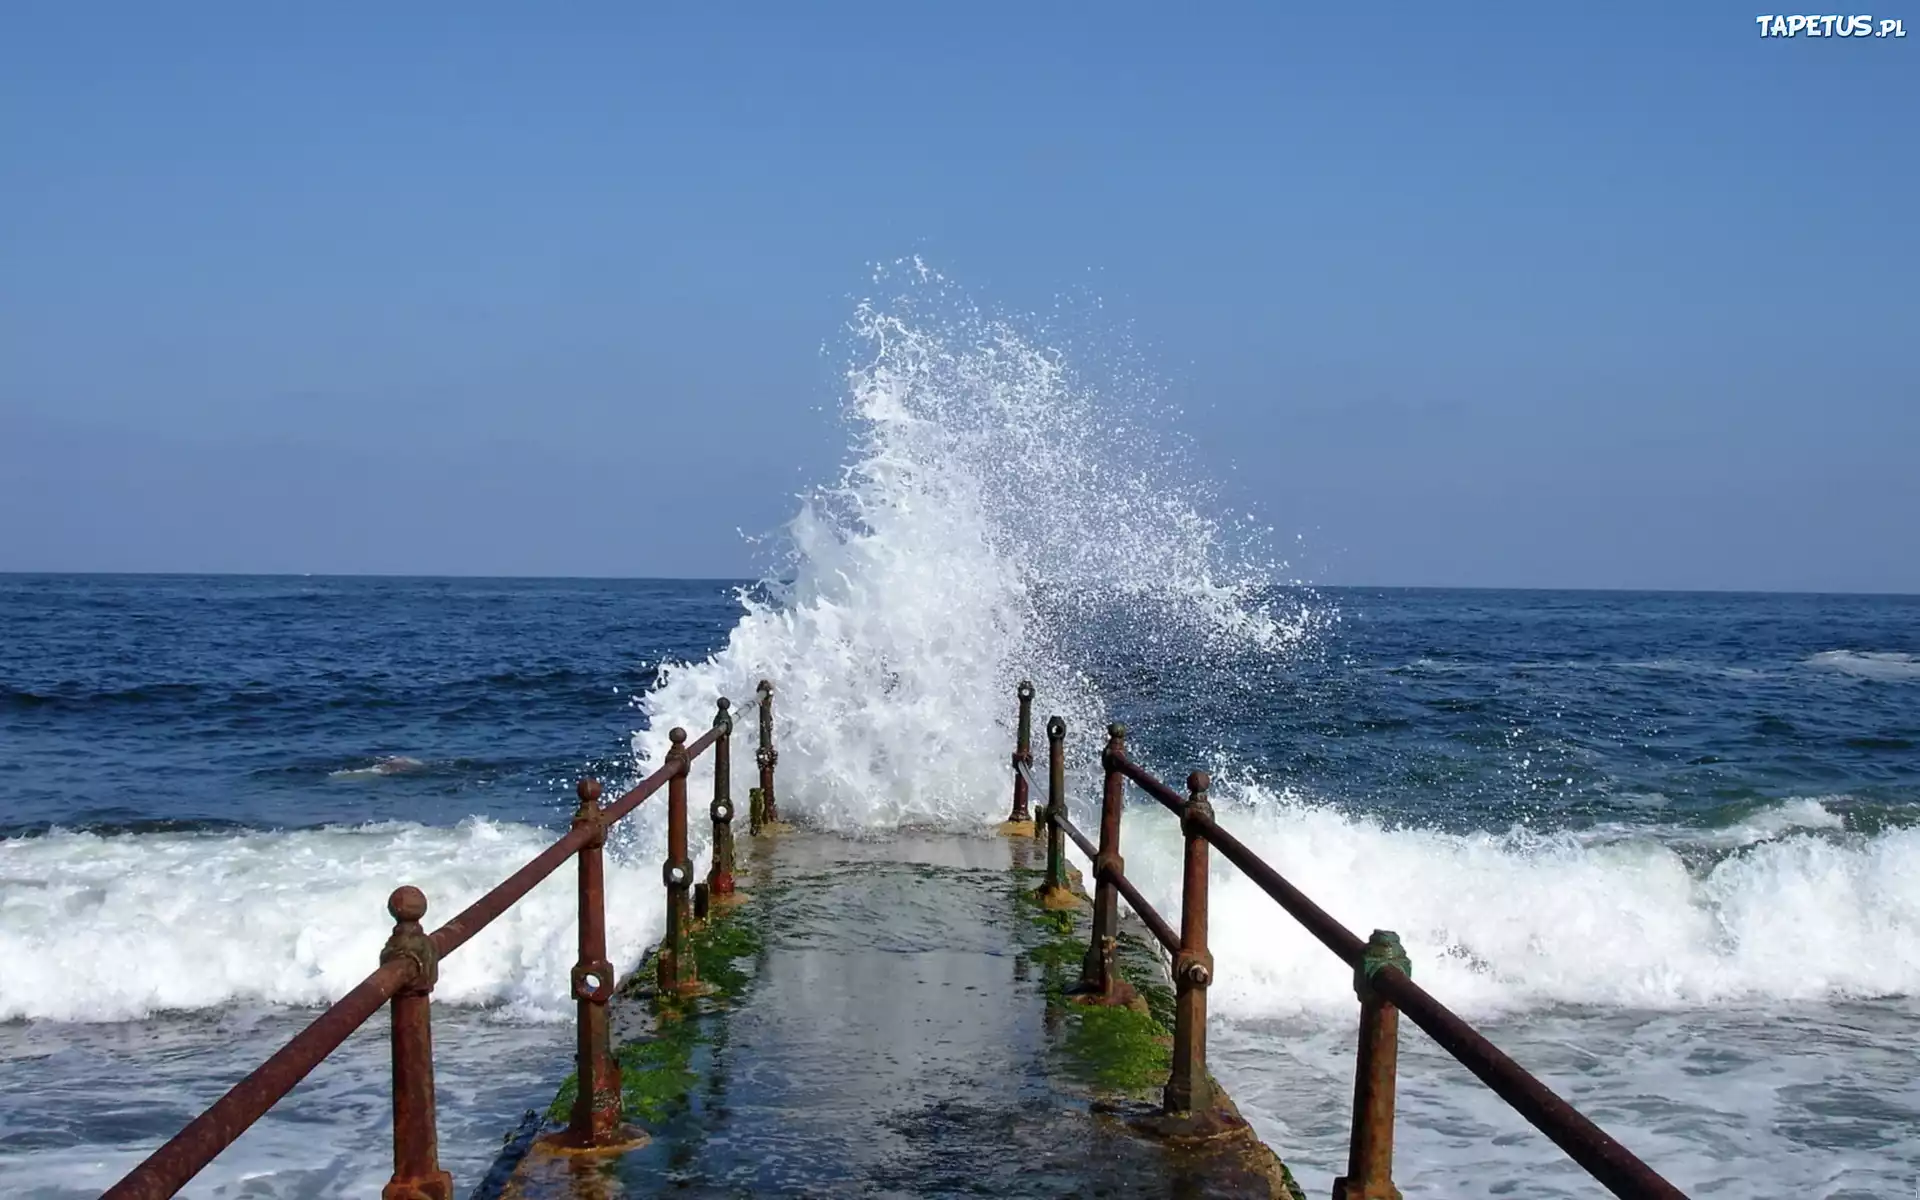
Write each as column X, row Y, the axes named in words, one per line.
column 1100, row 982
column 1056, row 885
column 1022, row 752
column 168, row 1169
column 484, row 911
column 676, row 956
column 720, row 874
column 1617, row 1169
column 1370, row 1150
column 414, row 954
column 766, row 756
column 1149, row 916
column 1190, row 1089
column 416, row 1149
column 596, row 1106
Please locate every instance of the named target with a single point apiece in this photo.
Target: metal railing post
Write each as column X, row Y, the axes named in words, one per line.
column 416, row 1150
column 1099, row 981
column 1370, row 1152
column 720, row 875
column 1022, row 753
column 676, row 957
column 1055, row 891
column 1190, row 1089
column 596, row 1105
column 767, row 756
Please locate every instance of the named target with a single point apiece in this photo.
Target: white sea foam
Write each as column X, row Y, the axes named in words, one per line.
column 112, row 928
column 1868, row 664
column 1521, row 920
column 1773, row 821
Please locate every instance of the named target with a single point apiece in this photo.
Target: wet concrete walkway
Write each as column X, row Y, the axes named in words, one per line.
column 888, row 1022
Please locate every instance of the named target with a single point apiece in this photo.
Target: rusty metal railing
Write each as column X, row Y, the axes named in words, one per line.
column 1383, row 978
column 410, row 965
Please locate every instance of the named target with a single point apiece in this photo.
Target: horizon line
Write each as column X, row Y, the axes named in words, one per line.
column 1301, row 585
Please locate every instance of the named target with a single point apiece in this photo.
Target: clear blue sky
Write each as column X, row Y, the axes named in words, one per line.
column 1471, row 294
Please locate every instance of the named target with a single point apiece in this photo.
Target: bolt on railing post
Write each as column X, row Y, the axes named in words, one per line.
column 1370, row 1152
column 1099, row 981
column 595, row 1119
column 1022, row 753
column 1190, row 1089
column 676, row 958
column 416, row 1150
column 766, row 756
column 1055, row 889
column 720, row 875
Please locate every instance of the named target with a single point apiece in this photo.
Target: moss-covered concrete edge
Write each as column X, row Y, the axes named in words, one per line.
column 657, row 1069
column 1123, row 1049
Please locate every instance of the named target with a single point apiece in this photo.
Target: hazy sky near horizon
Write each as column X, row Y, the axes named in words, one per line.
column 1460, row 295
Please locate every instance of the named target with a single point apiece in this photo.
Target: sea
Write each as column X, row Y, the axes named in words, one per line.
column 1663, row 848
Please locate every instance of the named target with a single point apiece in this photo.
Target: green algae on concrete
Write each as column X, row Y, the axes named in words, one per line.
column 1127, row 1049
column 657, row 1066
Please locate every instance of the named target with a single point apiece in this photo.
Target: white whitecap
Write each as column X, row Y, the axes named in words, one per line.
column 1868, row 664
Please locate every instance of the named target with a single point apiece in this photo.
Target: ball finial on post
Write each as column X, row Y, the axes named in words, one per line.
column 588, row 791
column 407, row 904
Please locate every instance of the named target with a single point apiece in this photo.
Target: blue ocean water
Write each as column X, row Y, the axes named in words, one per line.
column 177, row 702
column 154, row 702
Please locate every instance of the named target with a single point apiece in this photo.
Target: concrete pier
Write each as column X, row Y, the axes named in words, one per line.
column 892, row 1018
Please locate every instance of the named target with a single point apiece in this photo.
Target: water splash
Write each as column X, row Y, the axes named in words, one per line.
column 1002, row 516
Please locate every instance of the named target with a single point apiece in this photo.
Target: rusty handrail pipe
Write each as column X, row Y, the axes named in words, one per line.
column 1317, row 921
column 174, row 1164
column 482, row 912
column 1149, row 916
column 169, row 1168
column 1150, row 784
column 1079, row 839
column 1615, row 1167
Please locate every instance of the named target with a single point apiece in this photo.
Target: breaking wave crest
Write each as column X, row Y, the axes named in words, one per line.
column 1868, row 664
column 1792, row 908
column 119, row 927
